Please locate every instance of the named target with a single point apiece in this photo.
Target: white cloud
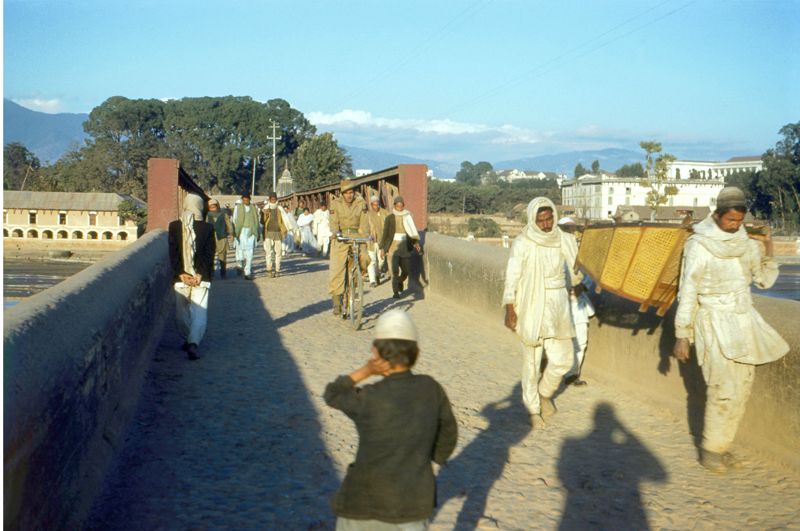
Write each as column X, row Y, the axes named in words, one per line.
column 50, row 106
column 351, row 119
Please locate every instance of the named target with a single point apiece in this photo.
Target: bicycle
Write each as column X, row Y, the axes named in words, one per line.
column 353, row 297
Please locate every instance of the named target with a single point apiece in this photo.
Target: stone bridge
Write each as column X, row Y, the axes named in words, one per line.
column 109, row 426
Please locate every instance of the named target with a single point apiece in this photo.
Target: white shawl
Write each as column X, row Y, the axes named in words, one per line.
column 408, row 223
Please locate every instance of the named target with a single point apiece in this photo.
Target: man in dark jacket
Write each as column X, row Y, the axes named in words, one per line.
column 399, row 238
column 191, row 254
column 404, row 422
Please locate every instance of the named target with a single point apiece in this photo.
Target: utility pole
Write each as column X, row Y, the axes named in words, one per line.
column 274, row 157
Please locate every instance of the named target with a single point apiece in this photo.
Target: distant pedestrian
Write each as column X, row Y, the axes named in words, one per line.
column 539, row 276
column 404, row 422
column 274, row 232
column 322, row 228
column 307, row 241
column 223, row 229
column 301, row 206
column 399, row 239
column 376, row 217
column 290, row 240
column 246, row 225
column 191, row 253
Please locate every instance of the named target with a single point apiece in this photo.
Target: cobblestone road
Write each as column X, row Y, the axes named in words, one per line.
column 242, row 439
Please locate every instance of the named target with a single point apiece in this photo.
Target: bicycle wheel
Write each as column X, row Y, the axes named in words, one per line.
column 346, row 295
column 356, row 296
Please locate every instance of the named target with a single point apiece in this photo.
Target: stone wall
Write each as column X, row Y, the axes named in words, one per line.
column 75, row 358
column 632, row 349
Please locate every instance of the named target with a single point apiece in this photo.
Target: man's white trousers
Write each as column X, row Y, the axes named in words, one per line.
column 191, row 311
column 560, row 359
column 579, row 343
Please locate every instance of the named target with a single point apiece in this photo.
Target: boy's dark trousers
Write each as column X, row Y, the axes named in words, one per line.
column 401, row 265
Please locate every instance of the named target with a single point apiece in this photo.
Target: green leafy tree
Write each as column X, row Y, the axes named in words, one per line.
column 775, row 190
column 20, row 167
column 455, row 197
column 484, row 227
column 580, row 170
column 476, row 174
column 596, row 167
column 320, row 161
column 656, row 176
column 631, row 170
column 129, row 211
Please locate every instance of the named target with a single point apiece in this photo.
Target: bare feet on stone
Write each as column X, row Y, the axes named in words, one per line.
column 548, row 407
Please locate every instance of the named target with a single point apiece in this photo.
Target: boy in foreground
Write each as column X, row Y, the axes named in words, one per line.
column 404, row 422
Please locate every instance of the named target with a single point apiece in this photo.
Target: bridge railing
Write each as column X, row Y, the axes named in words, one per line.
column 632, row 350
column 408, row 180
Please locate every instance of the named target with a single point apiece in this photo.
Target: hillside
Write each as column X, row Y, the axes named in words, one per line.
column 47, row 135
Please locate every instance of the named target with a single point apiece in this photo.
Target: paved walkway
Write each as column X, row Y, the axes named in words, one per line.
column 243, row 440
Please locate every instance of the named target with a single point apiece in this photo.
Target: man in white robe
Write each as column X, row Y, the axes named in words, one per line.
column 321, row 227
column 715, row 312
column 539, row 275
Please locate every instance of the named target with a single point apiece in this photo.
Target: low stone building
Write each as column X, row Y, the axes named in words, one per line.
column 664, row 214
column 67, row 216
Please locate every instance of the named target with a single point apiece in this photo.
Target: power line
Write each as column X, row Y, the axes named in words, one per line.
column 424, row 45
column 552, row 64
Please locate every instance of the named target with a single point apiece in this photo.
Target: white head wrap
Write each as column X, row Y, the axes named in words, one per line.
column 533, row 232
column 396, row 324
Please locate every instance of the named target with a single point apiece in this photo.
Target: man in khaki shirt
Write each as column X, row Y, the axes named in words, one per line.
column 348, row 218
column 375, row 217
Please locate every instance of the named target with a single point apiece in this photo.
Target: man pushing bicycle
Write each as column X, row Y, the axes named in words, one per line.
column 348, row 218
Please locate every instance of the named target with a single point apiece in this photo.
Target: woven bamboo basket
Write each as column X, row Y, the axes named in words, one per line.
column 640, row 262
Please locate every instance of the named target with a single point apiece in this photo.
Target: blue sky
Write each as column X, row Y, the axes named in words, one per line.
column 447, row 80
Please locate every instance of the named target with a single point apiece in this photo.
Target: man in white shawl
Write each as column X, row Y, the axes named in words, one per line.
column 399, row 238
column 539, row 277
column 191, row 251
column 289, row 240
column 322, row 228
column 715, row 312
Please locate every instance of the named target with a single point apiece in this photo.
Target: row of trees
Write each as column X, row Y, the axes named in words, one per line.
column 460, row 197
column 217, row 140
column 774, row 192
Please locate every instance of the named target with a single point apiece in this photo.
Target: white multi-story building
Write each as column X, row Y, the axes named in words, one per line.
column 701, row 169
column 361, row 172
column 518, row 175
column 598, row 196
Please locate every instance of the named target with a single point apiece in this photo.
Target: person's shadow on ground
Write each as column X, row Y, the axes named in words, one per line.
column 602, row 473
column 473, row 472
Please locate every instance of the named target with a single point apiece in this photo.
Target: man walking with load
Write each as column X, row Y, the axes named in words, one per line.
column 539, row 274
column 715, row 312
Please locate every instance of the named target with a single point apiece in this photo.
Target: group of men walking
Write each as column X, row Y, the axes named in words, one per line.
column 715, row 312
column 393, row 237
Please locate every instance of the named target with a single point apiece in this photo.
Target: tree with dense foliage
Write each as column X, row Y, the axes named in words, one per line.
column 475, row 174
column 580, row 171
column 484, row 228
column 596, row 167
column 775, row 190
column 217, row 141
column 20, row 167
column 455, row 197
column 656, row 176
column 631, row 170
column 130, row 211
column 320, row 161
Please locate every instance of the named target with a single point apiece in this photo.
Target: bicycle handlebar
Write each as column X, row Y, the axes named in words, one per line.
column 355, row 240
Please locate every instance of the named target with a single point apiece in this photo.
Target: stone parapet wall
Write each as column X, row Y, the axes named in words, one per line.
column 74, row 361
column 632, row 349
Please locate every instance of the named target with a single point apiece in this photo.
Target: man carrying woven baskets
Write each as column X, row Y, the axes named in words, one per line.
column 715, row 312
column 539, row 274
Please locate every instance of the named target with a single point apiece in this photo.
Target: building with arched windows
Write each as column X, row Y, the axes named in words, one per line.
column 67, row 216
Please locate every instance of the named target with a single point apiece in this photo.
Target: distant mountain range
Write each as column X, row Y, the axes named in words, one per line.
column 48, row 136
column 610, row 159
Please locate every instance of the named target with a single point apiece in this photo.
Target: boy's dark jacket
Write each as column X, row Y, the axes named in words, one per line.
column 404, row 422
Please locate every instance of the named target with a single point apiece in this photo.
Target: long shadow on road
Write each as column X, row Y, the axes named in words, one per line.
column 231, row 441
column 602, row 473
column 473, row 472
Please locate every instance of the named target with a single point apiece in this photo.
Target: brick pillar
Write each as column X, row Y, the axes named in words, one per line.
column 413, row 186
column 163, row 193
